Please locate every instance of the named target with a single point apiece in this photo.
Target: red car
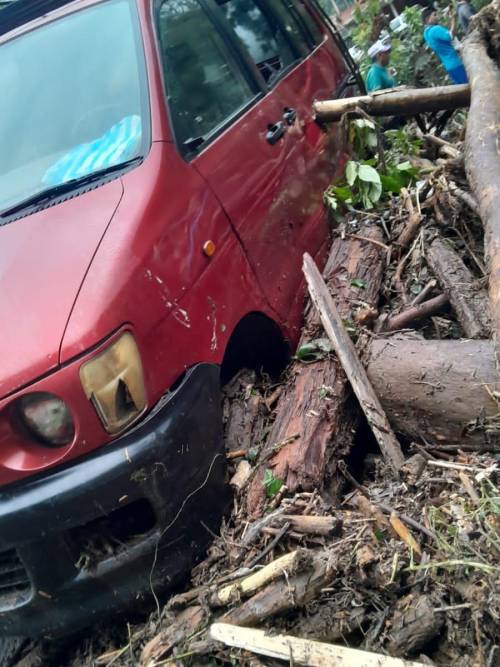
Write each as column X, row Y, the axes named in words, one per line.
column 161, row 176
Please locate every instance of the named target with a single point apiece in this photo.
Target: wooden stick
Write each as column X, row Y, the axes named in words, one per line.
column 352, row 365
column 297, row 651
column 444, row 146
column 288, row 563
column 465, row 197
column 412, row 226
column 421, row 296
column 313, row 525
column 414, row 314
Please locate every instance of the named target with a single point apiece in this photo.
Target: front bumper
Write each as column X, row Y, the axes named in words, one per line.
column 113, row 529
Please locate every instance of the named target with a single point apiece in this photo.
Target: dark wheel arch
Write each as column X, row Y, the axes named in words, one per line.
column 257, row 342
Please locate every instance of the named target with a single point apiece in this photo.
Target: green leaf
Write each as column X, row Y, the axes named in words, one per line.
column 271, row 483
column 375, row 191
column 368, row 174
column 392, row 182
column 314, row 350
column 358, row 282
column 342, row 192
column 371, row 140
column 351, row 171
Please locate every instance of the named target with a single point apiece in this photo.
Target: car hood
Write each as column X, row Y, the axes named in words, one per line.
column 43, row 260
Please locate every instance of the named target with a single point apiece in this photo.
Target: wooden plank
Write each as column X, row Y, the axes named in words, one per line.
column 297, row 651
column 352, row 365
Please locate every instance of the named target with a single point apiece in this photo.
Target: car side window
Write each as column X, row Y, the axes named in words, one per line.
column 259, row 30
column 205, row 86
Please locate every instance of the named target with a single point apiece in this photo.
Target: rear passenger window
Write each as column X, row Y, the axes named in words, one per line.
column 205, row 86
column 262, row 35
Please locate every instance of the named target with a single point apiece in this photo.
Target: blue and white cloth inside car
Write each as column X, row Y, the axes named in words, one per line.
column 118, row 144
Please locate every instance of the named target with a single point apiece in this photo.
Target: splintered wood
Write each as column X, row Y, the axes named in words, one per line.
column 297, row 651
column 352, row 366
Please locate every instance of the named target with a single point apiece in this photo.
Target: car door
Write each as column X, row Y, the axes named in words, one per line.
column 222, row 62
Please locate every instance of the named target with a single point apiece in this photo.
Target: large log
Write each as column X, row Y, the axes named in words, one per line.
column 439, row 389
column 395, row 102
column 315, row 415
column 469, row 300
column 482, row 141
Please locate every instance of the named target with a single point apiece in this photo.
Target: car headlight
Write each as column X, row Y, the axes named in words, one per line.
column 113, row 381
column 47, row 418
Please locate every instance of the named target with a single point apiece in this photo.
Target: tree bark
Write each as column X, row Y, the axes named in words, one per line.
column 482, row 155
column 440, row 390
column 315, row 414
column 395, row 102
column 469, row 301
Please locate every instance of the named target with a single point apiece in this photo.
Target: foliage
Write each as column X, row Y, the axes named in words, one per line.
column 401, row 143
column 271, row 483
column 479, row 4
column 368, row 179
column 362, row 136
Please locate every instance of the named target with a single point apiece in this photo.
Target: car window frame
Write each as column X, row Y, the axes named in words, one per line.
column 242, row 59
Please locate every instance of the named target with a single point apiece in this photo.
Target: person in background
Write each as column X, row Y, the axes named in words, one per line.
column 440, row 41
column 378, row 77
column 464, row 14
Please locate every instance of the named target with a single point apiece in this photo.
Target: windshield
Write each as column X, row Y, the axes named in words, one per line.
column 71, row 100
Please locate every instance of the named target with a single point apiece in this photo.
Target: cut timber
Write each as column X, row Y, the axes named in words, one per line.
column 482, row 141
column 439, row 389
column 396, row 102
column 352, row 365
column 469, row 301
column 286, row 565
column 313, row 430
column 292, row 592
column 297, row 651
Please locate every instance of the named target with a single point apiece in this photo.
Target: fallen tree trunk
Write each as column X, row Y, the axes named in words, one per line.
column 315, row 418
column 441, row 390
column 395, row 102
column 469, row 301
column 482, row 155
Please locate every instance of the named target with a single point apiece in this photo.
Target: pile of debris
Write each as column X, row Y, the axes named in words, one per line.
column 365, row 527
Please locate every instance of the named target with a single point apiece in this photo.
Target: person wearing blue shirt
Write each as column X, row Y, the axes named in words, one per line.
column 441, row 42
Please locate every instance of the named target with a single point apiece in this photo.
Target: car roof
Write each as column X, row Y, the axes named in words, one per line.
column 19, row 12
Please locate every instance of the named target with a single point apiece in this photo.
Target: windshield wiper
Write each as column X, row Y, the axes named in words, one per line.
column 62, row 188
